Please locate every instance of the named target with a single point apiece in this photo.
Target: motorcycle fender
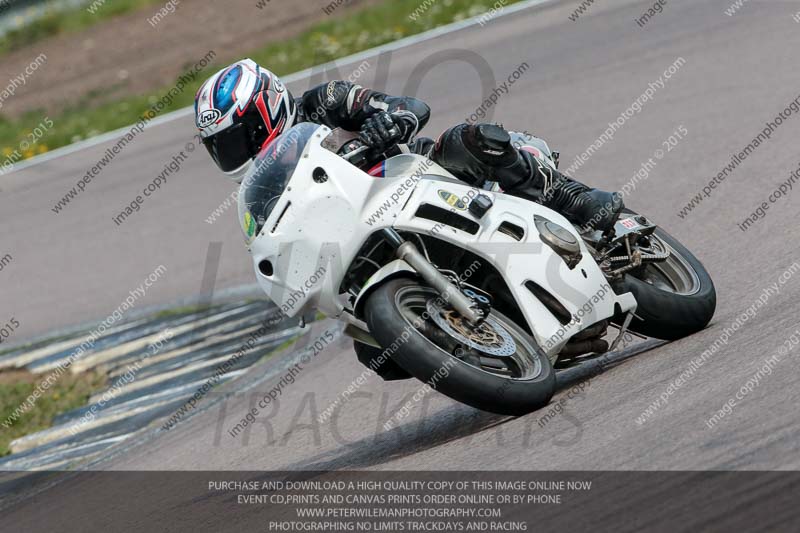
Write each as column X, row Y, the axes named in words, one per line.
column 396, row 269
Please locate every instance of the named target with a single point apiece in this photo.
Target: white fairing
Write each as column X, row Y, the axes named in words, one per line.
column 311, row 243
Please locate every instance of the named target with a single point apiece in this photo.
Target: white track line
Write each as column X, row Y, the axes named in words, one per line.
column 186, row 111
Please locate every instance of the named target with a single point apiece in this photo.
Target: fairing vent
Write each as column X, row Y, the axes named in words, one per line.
column 283, row 213
column 448, row 218
column 550, row 302
column 512, row 230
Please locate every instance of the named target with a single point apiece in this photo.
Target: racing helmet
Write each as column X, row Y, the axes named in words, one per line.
column 239, row 110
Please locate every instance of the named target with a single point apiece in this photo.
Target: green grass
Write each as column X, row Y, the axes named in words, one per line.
column 185, row 310
column 69, row 392
column 325, row 41
column 57, row 22
column 365, row 29
column 282, row 346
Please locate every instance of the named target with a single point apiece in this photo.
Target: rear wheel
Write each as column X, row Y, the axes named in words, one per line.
column 676, row 298
column 496, row 367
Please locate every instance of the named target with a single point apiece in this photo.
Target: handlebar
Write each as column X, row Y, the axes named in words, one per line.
column 357, row 148
column 360, row 150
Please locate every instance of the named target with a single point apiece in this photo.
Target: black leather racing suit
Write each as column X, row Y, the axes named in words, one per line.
column 341, row 104
column 473, row 153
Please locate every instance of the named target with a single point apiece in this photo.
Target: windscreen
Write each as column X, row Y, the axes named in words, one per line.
column 268, row 177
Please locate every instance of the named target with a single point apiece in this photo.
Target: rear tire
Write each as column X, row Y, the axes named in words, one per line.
column 390, row 322
column 669, row 313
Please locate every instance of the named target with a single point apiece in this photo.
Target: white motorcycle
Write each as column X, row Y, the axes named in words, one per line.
column 477, row 293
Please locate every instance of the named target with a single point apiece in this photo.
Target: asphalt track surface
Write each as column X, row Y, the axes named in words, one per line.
column 739, row 73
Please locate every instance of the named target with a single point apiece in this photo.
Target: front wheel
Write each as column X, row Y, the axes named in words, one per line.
column 496, row 367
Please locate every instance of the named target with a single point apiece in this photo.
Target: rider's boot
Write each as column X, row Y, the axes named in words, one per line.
column 474, row 153
column 591, row 209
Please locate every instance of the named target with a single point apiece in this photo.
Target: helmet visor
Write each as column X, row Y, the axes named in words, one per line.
column 231, row 148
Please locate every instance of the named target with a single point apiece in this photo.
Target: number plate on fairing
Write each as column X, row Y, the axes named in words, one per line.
column 633, row 224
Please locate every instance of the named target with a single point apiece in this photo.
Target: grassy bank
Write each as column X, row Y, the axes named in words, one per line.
column 323, row 42
column 57, row 22
column 69, row 392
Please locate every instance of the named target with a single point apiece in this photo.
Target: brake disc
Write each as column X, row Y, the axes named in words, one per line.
column 489, row 337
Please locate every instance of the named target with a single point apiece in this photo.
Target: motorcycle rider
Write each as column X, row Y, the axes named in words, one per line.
column 244, row 107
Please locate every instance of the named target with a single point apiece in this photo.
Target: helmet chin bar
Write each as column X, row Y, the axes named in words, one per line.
column 236, row 175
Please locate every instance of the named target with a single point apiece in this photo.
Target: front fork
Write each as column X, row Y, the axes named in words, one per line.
column 406, row 251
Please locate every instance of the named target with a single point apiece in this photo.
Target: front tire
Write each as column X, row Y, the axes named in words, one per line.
column 387, row 369
column 507, row 384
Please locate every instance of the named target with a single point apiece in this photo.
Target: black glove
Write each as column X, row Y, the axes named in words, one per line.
column 381, row 131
